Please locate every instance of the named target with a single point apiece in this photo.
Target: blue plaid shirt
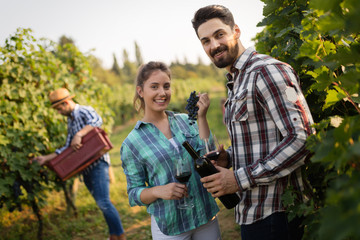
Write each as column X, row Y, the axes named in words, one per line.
column 80, row 117
column 148, row 160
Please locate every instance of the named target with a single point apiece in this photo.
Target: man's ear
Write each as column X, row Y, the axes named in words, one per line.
column 237, row 31
column 67, row 102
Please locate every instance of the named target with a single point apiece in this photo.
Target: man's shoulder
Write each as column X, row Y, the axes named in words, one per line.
column 86, row 113
column 260, row 62
column 85, row 110
column 83, row 107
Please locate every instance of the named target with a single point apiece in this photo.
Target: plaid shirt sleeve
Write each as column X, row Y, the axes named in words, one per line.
column 83, row 115
column 89, row 116
column 279, row 93
column 67, row 144
column 135, row 174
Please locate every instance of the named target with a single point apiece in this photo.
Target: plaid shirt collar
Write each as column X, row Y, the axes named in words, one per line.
column 139, row 123
column 238, row 66
column 75, row 113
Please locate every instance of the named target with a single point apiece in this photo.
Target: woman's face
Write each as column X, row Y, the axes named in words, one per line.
column 156, row 92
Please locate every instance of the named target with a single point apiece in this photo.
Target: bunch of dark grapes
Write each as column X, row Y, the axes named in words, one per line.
column 17, row 193
column 192, row 108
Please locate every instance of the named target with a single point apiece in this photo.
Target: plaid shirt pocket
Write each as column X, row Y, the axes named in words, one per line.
column 192, row 139
column 239, row 107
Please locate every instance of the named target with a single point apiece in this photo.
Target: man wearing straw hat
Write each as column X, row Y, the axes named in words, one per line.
column 81, row 120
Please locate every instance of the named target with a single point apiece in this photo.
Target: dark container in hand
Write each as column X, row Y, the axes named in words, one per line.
column 205, row 168
column 70, row 162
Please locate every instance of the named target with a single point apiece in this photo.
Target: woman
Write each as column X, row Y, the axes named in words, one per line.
column 148, row 160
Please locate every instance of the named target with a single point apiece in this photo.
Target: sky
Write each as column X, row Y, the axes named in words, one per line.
column 161, row 28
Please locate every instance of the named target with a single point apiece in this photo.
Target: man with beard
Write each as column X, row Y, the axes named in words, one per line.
column 268, row 121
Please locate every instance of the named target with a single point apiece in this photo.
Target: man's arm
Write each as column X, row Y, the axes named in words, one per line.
column 76, row 141
column 92, row 119
column 45, row 158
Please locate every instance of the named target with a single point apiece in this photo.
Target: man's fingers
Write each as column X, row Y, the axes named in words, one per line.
column 210, row 178
column 76, row 146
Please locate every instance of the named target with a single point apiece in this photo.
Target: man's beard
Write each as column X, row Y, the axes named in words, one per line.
column 229, row 59
column 67, row 113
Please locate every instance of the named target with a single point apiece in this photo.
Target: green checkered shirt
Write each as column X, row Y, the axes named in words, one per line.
column 148, row 160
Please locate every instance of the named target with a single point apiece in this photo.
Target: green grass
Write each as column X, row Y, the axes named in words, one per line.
column 90, row 224
column 215, row 119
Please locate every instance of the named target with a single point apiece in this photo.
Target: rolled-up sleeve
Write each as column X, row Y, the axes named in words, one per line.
column 67, row 144
column 135, row 175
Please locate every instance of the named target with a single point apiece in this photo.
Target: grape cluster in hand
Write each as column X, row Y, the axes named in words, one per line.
column 192, row 108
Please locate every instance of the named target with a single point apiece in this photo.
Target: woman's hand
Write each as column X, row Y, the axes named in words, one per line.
column 203, row 104
column 171, row 191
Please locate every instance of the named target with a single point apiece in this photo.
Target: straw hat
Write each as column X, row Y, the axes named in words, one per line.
column 59, row 96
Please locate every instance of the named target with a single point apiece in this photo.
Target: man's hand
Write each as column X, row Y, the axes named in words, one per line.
column 40, row 159
column 44, row 159
column 76, row 142
column 220, row 183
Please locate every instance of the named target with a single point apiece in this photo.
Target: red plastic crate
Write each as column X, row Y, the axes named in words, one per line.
column 70, row 162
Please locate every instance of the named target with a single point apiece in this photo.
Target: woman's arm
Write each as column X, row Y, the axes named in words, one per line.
column 203, row 104
column 170, row 191
column 139, row 193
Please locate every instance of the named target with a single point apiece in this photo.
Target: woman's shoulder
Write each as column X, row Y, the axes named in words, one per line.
column 183, row 116
column 134, row 134
column 177, row 115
